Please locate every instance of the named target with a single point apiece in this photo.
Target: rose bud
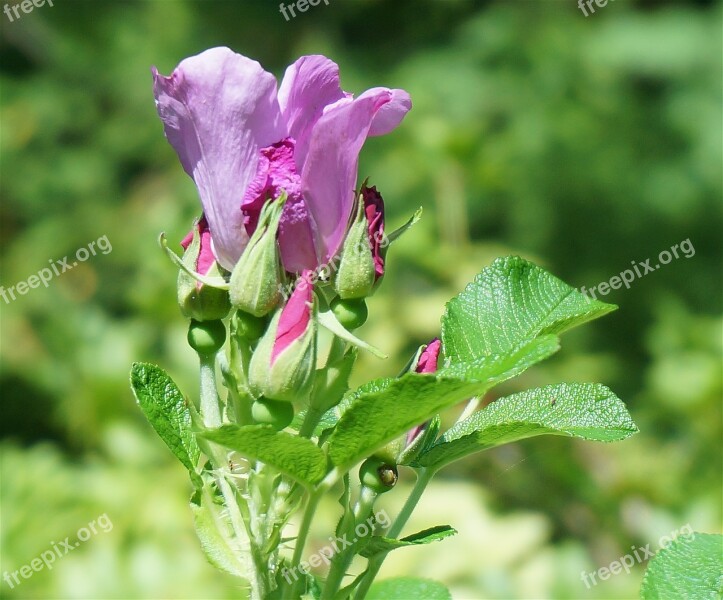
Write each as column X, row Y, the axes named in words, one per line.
column 199, row 301
column 362, row 263
column 283, row 364
column 255, row 280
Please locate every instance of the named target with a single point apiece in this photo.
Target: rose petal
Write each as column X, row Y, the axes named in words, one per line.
column 218, row 108
column 329, row 174
column 295, row 317
column 309, row 85
column 391, row 114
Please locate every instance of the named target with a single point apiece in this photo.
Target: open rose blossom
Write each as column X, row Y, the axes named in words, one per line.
column 243, row 141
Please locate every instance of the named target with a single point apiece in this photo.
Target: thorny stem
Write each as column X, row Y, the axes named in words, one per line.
column 210, row 402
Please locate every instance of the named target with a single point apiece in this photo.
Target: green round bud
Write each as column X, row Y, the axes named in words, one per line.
column 276, row 413
column 206, row 337
column 350, row 313
column 378, row 475
column 248, row 327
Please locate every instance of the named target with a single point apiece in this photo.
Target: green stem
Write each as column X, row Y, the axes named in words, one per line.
column 341, row 561
column 424, row 476
column 310, row 421
column 311, row 505
column 210, row 401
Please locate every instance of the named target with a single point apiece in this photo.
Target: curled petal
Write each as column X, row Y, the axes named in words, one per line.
column 329, row 174
column 217, row 109
column 309, row 85
column 391, row 114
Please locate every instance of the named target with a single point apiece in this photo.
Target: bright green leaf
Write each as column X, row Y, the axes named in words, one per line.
column 588, row 411
column 294, row 456
column 383, row 545
column 384, row 409
column 690, row 567
column 167, row 411
column 510, row 303
column 217, row 539
column 408, row 588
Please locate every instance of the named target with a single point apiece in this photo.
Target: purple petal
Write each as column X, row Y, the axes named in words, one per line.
column 309, row 85
column 391, row 114
column 218, row 108
column 329, row 174
column 374, row 210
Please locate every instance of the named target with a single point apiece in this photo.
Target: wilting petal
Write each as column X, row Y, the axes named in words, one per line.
column 218, row 108
column 391, row 114
column 310, row 84
column 295, row 317
column 329, row 174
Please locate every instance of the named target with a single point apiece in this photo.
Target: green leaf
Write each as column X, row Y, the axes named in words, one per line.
column 216, row 535
column 384, row 409
column 690, row 567
column 297, row 457
column 583, row 410
column 382, row 545
column 408, row 588
column 510, row 303
column 167, row 411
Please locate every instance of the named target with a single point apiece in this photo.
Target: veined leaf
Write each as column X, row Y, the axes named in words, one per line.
column 510, row 303
column 384, row 409
column 382, row 545
column 690, row 567
column 166, row 410
column 294, row 456
column 587, row 411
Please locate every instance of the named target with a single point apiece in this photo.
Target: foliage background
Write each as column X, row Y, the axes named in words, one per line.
column 581, row 143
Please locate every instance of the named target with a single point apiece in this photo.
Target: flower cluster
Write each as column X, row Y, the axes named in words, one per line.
column 276, row 172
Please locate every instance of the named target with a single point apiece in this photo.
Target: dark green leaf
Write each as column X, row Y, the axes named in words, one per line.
column 382, row 545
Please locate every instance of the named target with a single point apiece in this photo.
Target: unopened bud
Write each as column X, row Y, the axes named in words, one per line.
column 197, row 300
column 254, row 285
column 283, row 364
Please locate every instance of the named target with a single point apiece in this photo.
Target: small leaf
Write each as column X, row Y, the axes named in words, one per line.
column 382, row 545
column 588, row 411
column 408, row 588
column 510, row 303
column 690, row 567
column 297, row 457
column 217, row 539
column 167, row 411
column 384, row 409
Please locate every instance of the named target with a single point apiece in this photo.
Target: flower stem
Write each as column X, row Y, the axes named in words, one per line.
column 340, row 562
column 424, row 476
column 210, row 401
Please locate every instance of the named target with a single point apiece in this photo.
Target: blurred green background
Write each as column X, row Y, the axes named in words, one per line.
column 582, row 143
